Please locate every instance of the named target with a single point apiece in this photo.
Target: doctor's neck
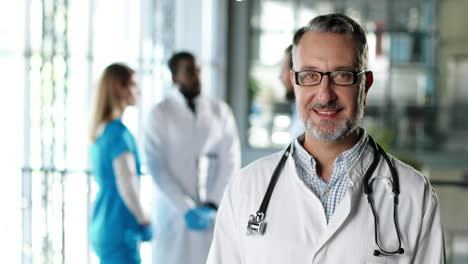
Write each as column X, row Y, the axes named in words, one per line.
column 325, row 153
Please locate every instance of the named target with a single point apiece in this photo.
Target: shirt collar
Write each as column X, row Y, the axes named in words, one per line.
column 348, row 158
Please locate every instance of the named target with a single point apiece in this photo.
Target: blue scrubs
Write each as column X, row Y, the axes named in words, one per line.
column 114, row 231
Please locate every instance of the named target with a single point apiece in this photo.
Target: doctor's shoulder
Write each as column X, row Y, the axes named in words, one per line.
column 258, row 173
column 118, row 135
column 413, row 183
column 247, row 187
column 161, row 110
column 117, row 128
column 219, row 107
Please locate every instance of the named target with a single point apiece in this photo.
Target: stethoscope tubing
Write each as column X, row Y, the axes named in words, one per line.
column 378, row 151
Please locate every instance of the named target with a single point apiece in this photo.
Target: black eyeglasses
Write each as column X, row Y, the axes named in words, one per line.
column 311, row 77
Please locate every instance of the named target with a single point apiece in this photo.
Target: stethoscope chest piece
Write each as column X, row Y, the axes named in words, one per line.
column 256, row 225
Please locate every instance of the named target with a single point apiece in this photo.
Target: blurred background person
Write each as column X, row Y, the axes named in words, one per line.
column 296, row 127
column 192, row 150
column 118, row 221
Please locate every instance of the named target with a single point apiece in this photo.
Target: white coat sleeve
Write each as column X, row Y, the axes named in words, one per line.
column 431, row 248
column 229, row 159
column 127, row 185
column 226, row 243
column 158, row 167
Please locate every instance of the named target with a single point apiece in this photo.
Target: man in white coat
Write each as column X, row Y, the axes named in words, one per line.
column 318, row 211
column 192, row 150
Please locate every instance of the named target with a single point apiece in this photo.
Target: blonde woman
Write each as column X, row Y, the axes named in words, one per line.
column 118, row 221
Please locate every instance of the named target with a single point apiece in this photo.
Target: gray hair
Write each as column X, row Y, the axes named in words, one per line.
column 340, row 24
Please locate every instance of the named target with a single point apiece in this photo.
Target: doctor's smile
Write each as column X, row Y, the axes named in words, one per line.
column 327, row 111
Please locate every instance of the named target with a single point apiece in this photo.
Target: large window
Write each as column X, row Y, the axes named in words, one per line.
column 12, row 69
column 51, row 59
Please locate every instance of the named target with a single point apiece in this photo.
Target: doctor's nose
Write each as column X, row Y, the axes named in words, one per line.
column 325, row 90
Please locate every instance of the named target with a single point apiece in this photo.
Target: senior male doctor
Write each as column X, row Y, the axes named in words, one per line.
column 318, row 211
column 192, row 150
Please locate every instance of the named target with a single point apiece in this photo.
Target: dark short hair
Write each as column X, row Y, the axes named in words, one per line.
column 340, row 24
column 173, row 62
column 288, row 52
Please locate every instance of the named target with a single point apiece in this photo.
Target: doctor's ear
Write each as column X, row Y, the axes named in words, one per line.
column 369, row 80
column 292, row 77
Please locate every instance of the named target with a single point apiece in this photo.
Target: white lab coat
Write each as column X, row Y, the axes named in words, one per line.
column 297, row 231
column 175, row 139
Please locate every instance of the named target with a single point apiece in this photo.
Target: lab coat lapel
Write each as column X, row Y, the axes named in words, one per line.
column 194, row 122
column 202, row 123
column 315, row 217
column 350, row 200
column 336, row 221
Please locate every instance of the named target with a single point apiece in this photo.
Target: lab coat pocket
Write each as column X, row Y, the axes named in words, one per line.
column 265, row 251
column 301, row 254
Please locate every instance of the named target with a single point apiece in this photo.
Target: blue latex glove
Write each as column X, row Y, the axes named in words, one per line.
column 143, row 233
column 146, row 233
column 200, row 218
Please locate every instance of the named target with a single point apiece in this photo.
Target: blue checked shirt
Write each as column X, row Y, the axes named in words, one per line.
column 331, row 193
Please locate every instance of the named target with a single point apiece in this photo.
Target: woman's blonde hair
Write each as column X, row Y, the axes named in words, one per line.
column 107, row 104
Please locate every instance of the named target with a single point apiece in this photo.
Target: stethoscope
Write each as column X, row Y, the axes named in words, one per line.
column 257, row 225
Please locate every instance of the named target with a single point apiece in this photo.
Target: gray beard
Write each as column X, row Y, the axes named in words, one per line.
column 343, row 129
